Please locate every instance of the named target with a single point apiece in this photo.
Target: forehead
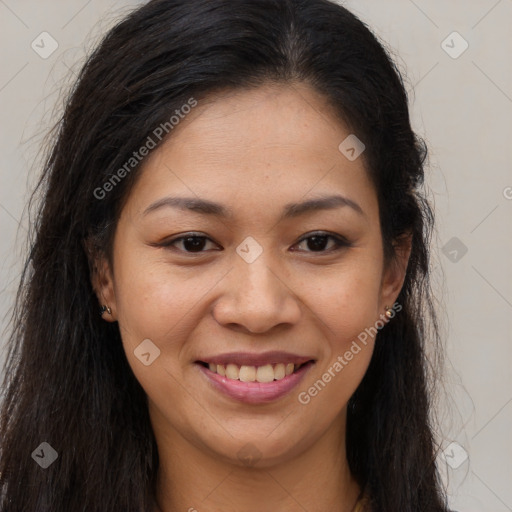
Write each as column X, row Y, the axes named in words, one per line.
column 259, row 147
column 292, row 118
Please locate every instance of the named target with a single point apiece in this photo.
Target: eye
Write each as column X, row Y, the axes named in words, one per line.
column 318, row 241
column 190, row 243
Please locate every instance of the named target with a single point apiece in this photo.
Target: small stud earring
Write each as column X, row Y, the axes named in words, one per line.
column 389, row 312
column 105, row 308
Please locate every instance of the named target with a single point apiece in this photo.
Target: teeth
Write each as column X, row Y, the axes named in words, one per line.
column 232, row 371
column 248, row 374
column 266, row 373
column 279, row 371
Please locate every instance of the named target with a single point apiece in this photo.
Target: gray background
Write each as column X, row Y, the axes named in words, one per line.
column 462, row 106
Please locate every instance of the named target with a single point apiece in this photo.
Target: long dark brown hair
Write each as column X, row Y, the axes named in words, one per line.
column 67, row 380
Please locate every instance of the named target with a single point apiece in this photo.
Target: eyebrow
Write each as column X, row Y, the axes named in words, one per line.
column 291, row 210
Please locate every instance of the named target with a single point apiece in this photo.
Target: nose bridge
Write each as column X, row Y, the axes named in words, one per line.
column 256, row 296
column 256, row 279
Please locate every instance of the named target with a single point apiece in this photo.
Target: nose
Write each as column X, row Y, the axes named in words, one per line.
column 256, row 298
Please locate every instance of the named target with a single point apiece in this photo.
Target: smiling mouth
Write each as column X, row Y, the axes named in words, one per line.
column 262, row 374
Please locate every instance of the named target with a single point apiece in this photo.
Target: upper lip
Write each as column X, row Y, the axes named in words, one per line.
column 251, row 359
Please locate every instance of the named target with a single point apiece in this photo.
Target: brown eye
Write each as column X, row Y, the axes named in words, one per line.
column 315, row 243
column 191, row 243
column 318, row 242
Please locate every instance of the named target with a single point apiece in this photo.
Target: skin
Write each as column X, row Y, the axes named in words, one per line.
column 253, row 151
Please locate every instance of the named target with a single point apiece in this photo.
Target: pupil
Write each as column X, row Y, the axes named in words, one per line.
column 315, row 242
column 197, row 244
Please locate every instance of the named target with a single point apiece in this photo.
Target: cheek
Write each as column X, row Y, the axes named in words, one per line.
column 150, row 300
column 160, row 302
column 157, row 305
column 347, row 301
column 348, row 308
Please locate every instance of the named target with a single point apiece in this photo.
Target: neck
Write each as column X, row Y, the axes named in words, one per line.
column 318, row 479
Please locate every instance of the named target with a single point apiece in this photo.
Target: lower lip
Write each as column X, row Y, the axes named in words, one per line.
column 256, row 392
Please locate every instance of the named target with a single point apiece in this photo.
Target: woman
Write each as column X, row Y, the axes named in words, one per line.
column 236, row 186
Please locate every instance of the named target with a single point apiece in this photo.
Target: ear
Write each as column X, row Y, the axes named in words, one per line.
column 394, row 275
column 102, row 281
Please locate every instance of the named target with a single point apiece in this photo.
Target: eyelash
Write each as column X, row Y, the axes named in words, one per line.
column 339, row 241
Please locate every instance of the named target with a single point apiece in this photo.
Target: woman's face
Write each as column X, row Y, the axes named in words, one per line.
column 255, row 289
